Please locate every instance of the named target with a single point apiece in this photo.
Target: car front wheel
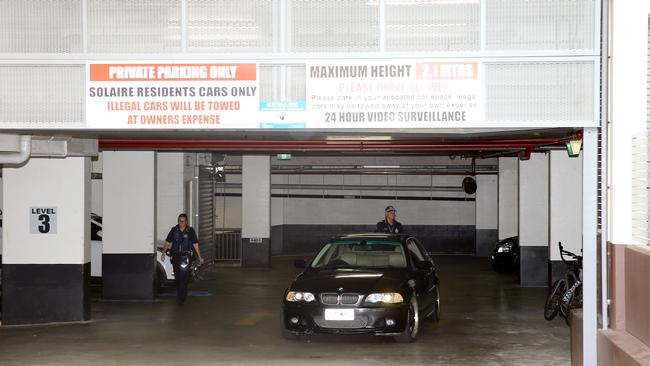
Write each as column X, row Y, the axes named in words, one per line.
column 412, row 323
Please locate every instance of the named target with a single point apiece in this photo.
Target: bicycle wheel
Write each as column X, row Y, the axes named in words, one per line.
column 575, row 302
column 552, row 306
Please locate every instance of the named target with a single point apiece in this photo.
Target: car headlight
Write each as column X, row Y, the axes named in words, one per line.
column 385, row 297
column 297, row 296
column 505, row 248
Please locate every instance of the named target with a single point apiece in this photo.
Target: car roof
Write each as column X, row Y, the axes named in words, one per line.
column 381, row 236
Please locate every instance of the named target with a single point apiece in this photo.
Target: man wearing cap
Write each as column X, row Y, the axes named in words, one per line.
column 389, row 224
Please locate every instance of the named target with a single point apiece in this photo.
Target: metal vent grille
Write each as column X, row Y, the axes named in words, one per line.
column 41, row 26
column 329, row 299
column 232, row 26
column 540, row 91
column 41, row 96
column 432, row 25
column 540, row 24
column 349, row 299
column 333, row 26
column 640, row 188
column 134, row 26
column 206, row 214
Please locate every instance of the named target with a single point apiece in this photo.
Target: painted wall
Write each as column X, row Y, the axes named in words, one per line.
column 60, row 183
column 565, row 205
column 486, row 214
column 256, row 197
column 533, row 201
column 627, row 108
column 129, row 202
column 508, row 197
column 169, row 192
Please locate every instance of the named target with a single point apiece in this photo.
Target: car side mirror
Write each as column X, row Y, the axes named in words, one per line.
column 299, row 263
column 425, row 265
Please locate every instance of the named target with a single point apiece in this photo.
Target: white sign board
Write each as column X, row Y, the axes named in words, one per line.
column 42, row 220
column 393, row 94
column 172, row 95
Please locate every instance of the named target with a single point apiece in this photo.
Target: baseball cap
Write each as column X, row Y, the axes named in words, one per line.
column 389, row 208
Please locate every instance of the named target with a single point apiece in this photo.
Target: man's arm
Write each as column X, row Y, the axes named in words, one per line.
column 198, row 252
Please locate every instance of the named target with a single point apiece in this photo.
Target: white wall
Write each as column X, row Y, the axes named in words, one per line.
column 486, row 202
column 355, row 211
column 256, row 197
column 96, row 201
column 60, row 183
column 565, row 207
column 533, row 201
column 169, row 191
column 508, row 197
column 627, row 108
column 129, row 202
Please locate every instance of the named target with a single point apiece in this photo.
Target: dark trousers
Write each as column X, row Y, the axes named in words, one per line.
column 181, row 277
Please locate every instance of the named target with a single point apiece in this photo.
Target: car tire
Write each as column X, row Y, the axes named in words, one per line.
column 412, row 323
column 435, row 316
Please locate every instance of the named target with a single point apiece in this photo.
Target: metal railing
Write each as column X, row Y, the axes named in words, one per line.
column 228, row 246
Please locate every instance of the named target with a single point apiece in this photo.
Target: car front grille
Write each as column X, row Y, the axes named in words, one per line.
column 349, row 299
column 336, row 299
column 359, row 322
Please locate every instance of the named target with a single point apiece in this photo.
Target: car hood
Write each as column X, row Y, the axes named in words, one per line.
column 350, row 280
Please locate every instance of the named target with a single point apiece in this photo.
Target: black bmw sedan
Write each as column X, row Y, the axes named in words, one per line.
column 381, row 284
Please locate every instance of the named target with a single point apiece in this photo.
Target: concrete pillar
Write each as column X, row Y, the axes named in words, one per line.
column 565, row 209
column 46, row 254
column 256, row 211
column 129, row 224
column 486, row 214
column 533, row 220
column 169, row 192
column 508, row 197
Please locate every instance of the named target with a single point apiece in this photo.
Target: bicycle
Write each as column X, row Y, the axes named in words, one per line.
column 565, row 293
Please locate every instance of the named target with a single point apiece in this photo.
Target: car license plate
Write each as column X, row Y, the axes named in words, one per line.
column 339, row 314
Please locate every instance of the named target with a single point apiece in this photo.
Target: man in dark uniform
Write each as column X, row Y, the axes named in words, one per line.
column 389, row 224
column 182, row 239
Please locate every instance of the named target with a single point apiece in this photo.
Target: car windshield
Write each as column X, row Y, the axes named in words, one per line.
column 360, row 253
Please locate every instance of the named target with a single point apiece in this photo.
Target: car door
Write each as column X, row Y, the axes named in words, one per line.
column 425, row 279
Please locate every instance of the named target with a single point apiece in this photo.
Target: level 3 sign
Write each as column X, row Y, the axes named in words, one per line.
column 42, row 220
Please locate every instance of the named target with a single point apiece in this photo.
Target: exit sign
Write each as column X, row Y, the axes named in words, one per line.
column 284, row 156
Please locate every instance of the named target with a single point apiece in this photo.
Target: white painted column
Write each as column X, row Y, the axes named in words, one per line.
column 129, row 224
column 565, row 209
column 256, row 211
column 589, row 246
column 486, row 214
column 533, row 220
column 46, row 241
column 169, row 192
column 508, row 186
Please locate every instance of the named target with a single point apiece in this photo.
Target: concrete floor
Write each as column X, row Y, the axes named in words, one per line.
column 486, row 320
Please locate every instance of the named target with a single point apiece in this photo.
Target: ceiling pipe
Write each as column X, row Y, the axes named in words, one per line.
column 18, row 157
column 471, row 149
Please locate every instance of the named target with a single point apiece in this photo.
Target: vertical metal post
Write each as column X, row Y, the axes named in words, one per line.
column 589, row 245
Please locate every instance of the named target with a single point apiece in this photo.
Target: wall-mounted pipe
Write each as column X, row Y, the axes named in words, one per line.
column 18, row 157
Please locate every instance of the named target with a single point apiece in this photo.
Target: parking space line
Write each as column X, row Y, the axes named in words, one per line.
column 253, row 318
